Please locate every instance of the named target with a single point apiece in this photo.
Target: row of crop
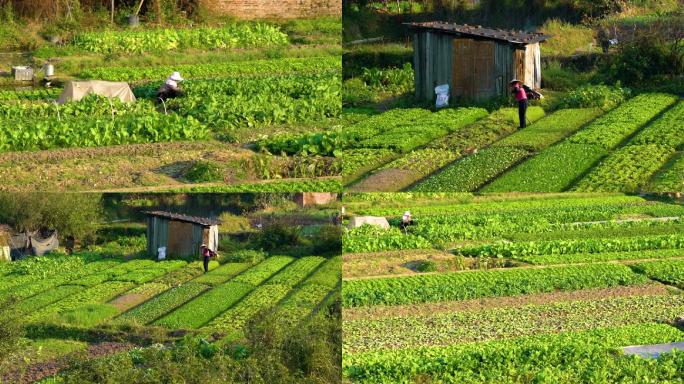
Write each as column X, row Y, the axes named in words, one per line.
column 671, row 177
column 206, row 306
column 261, row 299
column 630, row 168
column 398, row 130
column 30, row 285
column 548, row 237
column 297, row 271
column 241, row 35
column 481, row 205
column 309, row 294
column 446, row 229
column 574, row 258
column 553, row 170
column 233, row 103
column 222, row 274
column 667, row 271
column 422, row 162
column 559, row 167
column 163, row 303
column 87, row 107
column 373, row 239
column 30, row 94
column 471, row 285
column 475, row 170
column 587, row 356
column 560, row 247
column 472, row 172
column 39, row 134
column 97, row 294
column 270, row 67
column 202, row 309
column 410, row 331
column 265, row 297
column 549, row 130
column 611, row 129
column 486, row 131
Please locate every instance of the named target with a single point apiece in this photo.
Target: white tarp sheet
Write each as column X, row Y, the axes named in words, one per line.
column 358, row 221
column 76, row 90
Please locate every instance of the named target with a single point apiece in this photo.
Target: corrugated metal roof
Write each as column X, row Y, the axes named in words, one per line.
column 180, row 217
column 510, row 36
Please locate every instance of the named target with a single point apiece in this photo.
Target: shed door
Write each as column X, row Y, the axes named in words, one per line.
column 473, row 69
column 520, row 64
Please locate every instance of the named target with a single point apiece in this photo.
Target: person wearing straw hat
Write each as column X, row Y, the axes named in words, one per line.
column 170, row 88
column 521, row 96
column 206, row 255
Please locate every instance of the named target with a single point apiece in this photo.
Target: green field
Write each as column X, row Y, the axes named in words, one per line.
column 512, row 288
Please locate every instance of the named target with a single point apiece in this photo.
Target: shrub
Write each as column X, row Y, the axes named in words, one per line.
column 426, row 266
column 590, row 96
column 204, row 171
column 647, row 58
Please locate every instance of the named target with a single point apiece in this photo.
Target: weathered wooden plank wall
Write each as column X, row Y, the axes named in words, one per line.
column 431, row 61
column 476, row 69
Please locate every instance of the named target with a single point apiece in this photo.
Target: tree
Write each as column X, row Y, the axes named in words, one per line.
column 74, row 215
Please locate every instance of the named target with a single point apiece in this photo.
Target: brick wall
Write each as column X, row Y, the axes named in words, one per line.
column 257, row 9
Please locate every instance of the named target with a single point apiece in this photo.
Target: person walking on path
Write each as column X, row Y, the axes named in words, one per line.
column 206, row 255
column 521, row 96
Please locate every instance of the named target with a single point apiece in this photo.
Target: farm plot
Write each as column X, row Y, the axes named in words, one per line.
column 206, row 137
column 592, row 159
column 569, row 277
column 475, row 170
column 86, row 289
column 438, row 151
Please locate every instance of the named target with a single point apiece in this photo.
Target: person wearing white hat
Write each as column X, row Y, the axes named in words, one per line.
column 406, row 220
column 170, row 88
column 206, row 255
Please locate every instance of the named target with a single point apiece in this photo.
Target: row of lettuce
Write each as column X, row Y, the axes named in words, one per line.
column 637, row 145
column 211, row 109
column 174, row 294
column 538, row 323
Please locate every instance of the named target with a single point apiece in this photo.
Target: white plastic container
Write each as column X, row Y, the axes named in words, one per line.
column 161, row 253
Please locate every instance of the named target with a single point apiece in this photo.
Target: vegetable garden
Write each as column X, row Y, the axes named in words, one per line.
column 230, row 105
column 634, row 147
column 571, row 277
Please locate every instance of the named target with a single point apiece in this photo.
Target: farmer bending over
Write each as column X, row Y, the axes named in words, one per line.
column 521, row 97
column 406, row 220
column 170, row 88
column 206, row 255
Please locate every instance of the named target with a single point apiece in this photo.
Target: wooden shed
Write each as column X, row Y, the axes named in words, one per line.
column 182, row 235
column 476, row 62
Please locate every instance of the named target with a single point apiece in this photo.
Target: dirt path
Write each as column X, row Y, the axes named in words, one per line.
column 50, row 368
column 121, row 166
column 427, row 309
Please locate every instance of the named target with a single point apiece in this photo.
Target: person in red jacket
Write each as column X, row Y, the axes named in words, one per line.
column 521, row 96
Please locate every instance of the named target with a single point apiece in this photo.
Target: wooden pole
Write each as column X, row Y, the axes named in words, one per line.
column 112, row 11
column 139, row 6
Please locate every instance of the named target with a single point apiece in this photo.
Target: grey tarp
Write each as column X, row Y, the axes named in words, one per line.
column 76, row 90
column 35, row 243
